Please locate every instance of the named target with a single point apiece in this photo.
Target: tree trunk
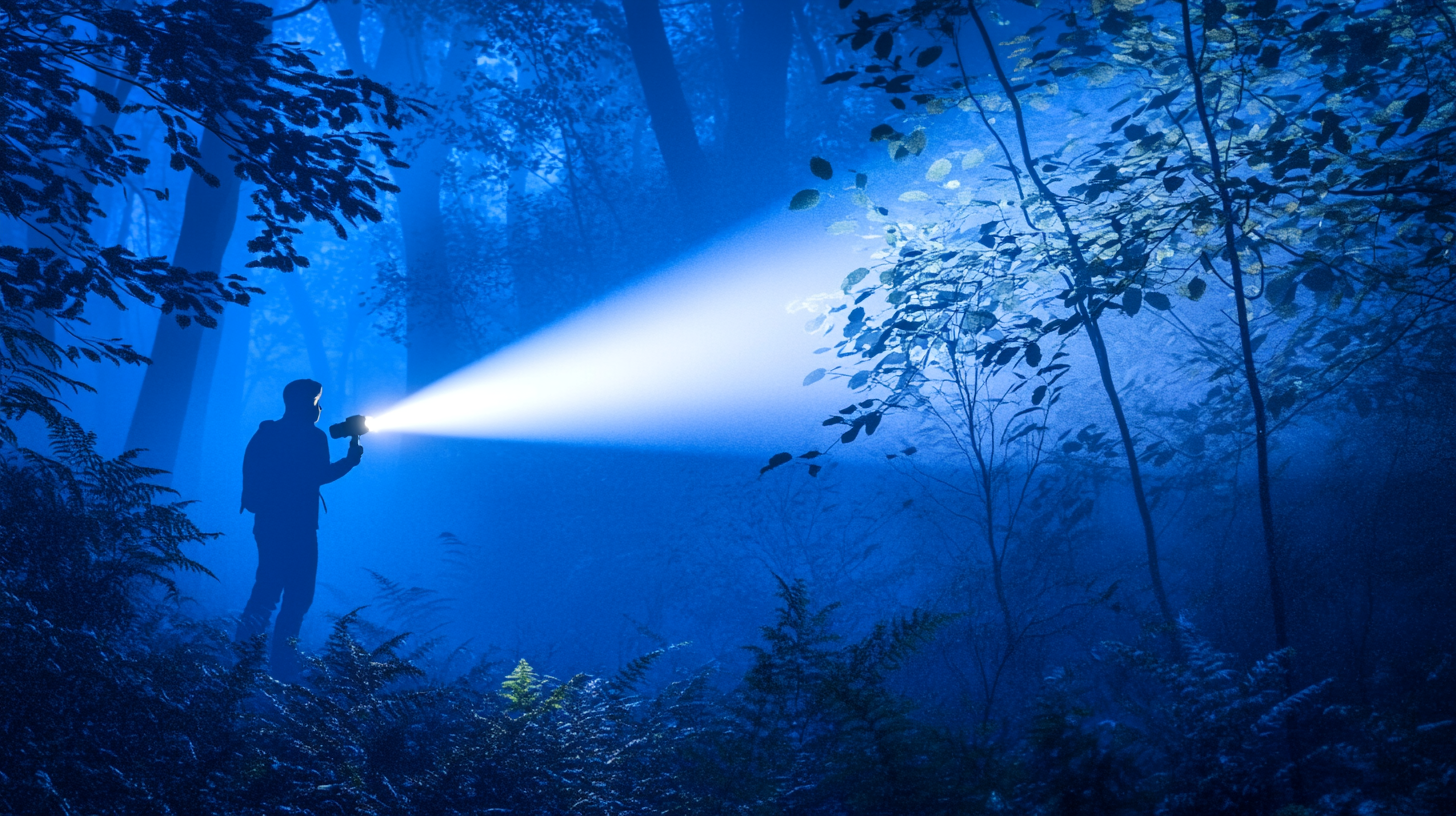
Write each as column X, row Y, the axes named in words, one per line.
column 1246, row 346
column 207, row 226
column 672, row 122
column 433, row 339
column 1094, row 330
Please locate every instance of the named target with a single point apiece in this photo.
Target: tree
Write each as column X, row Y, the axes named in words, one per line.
column 1153, row 210
column 221, row 91
column 1062, row 244
column 671, row 120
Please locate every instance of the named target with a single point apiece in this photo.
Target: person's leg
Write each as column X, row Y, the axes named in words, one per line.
column 267, row 586
column 301, row 569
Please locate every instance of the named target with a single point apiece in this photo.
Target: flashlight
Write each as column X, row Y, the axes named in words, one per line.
column 355, row 426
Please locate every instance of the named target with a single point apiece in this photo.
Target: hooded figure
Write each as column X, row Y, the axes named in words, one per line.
column 285, row 463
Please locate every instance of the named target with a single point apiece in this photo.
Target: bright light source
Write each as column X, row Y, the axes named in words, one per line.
column 711, row 353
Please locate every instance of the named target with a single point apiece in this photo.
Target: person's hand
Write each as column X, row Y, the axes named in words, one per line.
column 356, row 451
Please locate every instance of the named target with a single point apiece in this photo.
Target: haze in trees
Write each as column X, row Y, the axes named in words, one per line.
column 776, row 406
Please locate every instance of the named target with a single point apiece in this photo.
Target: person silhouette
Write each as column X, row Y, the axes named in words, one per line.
column 285, row 463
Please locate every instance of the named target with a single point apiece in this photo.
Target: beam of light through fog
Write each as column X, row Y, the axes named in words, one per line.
column 709, row 354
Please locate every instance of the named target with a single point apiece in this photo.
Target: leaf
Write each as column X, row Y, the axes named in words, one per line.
column 839, row 77
column 928, row 56
column 915, row 142
column 814, row 376
column 977, row 321
column 1158, row 300
column 885, row 133
column 884, row 44
column 1196, row 288
column 1033, row 355
column 776, row 460
column 859, row 380
column 821, row 168
column 939, row 170
column 914, row 195
column 1172, row 183
column 854, row 277
column 1415, row 111
column 814, row 469
column 1319, row 279
column 1038, row 395
column 842, row 227
column 872, row 422
column 1132, row 301
column 804, row 199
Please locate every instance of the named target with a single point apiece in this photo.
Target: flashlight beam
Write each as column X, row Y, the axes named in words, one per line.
column 710, row 353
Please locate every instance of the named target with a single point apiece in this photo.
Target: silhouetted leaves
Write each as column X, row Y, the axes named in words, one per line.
column 883, row 45
column 804, row 199
column 928, row 56
column 776, row 460
column 882, row 133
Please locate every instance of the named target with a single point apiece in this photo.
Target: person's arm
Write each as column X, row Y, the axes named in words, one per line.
column 333, row 471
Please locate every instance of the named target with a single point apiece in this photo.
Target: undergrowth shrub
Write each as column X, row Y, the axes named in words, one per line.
column 114, row 701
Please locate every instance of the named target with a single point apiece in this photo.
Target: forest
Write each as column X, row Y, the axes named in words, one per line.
column 762, row 407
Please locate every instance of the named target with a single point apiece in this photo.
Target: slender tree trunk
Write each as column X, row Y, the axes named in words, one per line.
column 1094, row 330
column 1246, row 345
column 1256, row 394
column 207, row 226
column 672, row 122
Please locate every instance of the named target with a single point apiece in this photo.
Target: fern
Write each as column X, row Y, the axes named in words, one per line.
column 1219, row 732
column 82, row 535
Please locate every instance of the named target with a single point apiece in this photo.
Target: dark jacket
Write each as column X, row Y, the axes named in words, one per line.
column 283, row 467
